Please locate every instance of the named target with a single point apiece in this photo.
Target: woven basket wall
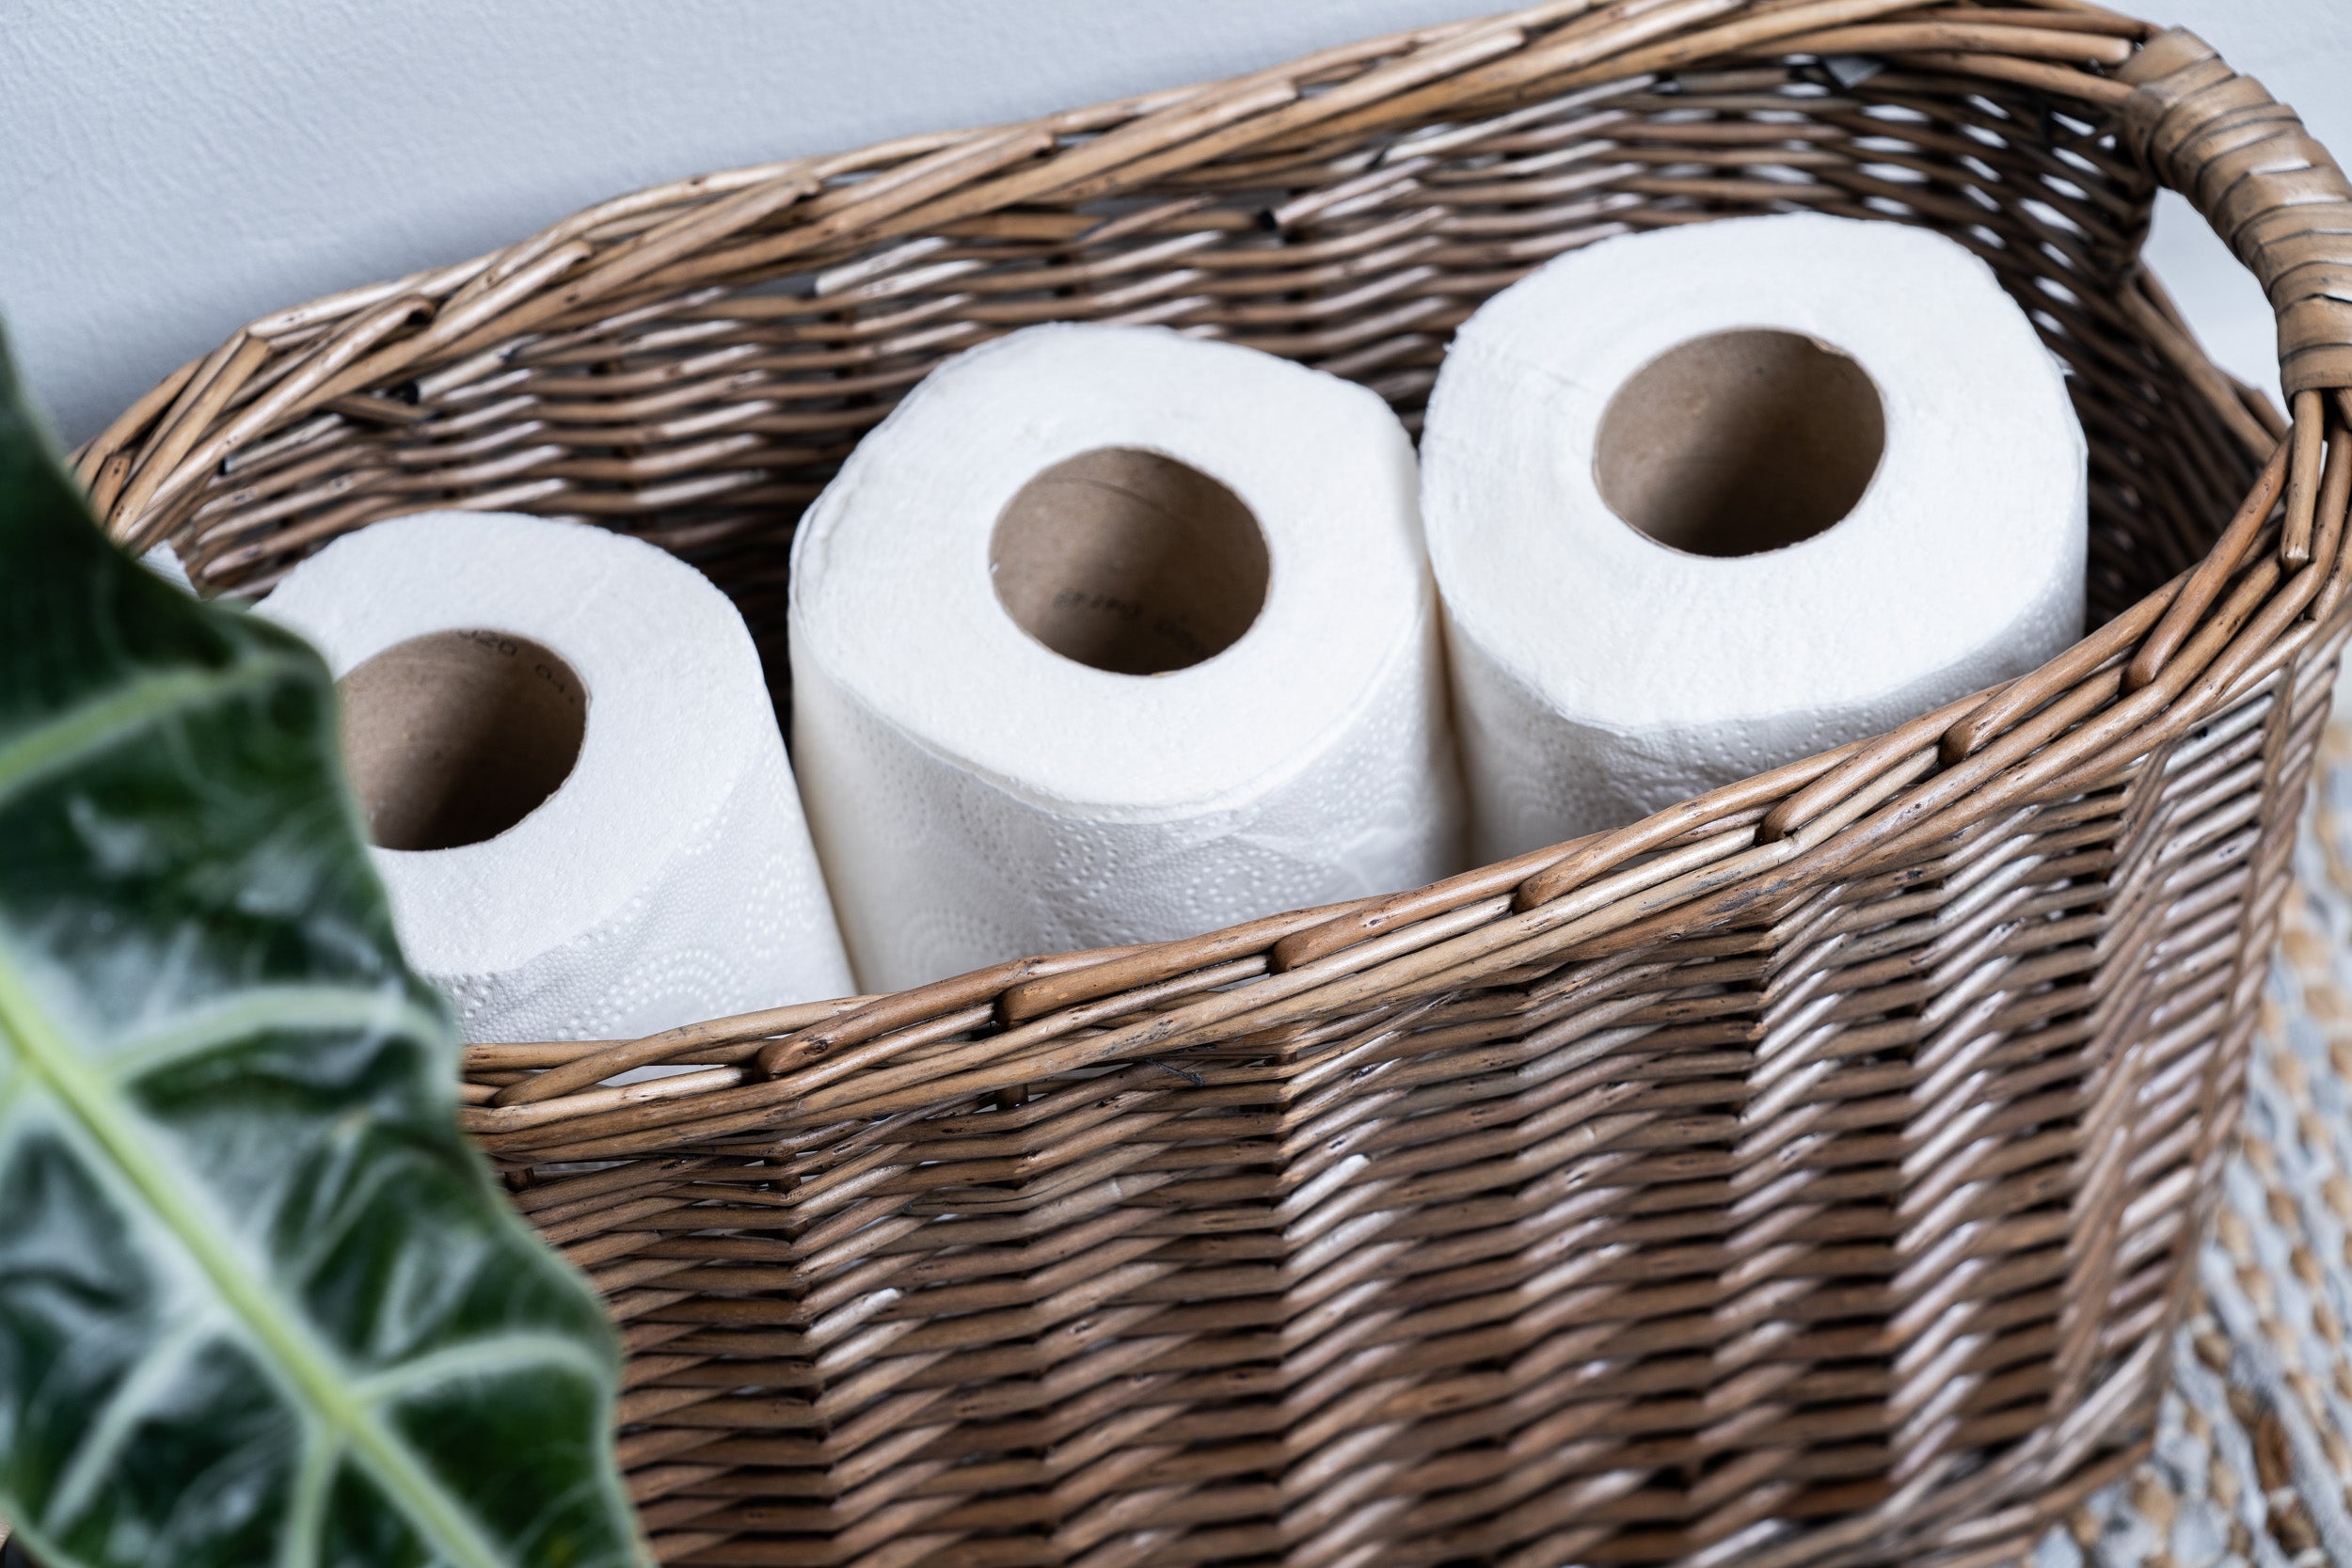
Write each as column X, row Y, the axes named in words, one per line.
column 1806, row 1175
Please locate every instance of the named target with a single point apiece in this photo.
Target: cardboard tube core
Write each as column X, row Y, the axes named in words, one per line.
column 1130, row 561
column 1739, row 442
column 455, row 736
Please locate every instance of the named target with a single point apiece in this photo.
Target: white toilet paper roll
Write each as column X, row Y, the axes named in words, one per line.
column 571, row 768
column 165, row 562
column 1110, row 635
column 1708, row 500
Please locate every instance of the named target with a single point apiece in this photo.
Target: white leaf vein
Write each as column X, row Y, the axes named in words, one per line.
column 138, row 703
column 174, row 1198
column 383, row 1010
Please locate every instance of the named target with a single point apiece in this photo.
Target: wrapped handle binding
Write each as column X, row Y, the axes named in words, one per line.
column 2268, row 189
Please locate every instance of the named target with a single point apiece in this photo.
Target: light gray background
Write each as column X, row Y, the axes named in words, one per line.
column 172, row 168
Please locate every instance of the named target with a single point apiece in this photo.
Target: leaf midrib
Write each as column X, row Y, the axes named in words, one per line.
column 299, row 1354
column 45, row 1052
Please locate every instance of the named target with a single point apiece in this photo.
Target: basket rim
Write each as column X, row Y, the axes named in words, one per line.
column 2267, row 591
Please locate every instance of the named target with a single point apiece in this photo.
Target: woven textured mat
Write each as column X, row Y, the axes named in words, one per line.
column 2253, row 1463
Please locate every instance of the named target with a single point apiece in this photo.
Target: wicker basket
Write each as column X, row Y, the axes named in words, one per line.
column 1809, row 1174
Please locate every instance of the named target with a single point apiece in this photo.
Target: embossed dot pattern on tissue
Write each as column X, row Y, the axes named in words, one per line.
column 670, row 877
column 978, row 797
column 1599, row 675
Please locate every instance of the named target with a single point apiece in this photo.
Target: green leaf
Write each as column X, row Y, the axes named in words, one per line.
column 261, row 1303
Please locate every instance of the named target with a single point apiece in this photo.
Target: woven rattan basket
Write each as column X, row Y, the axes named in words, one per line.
column 1809, row 1174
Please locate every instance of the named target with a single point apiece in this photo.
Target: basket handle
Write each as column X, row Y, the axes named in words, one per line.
column 2267, row 187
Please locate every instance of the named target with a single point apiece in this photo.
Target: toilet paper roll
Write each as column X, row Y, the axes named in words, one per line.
column 1109, row 635
column 1708, row 500
column 572, row 772
column 165, row 562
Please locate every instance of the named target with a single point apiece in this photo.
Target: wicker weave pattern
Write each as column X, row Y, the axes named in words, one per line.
column 1809, row 1174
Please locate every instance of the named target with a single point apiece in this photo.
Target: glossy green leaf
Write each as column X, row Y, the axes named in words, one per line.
column 261, row 1305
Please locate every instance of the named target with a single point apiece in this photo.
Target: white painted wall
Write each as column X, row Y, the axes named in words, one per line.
column 170, row 169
